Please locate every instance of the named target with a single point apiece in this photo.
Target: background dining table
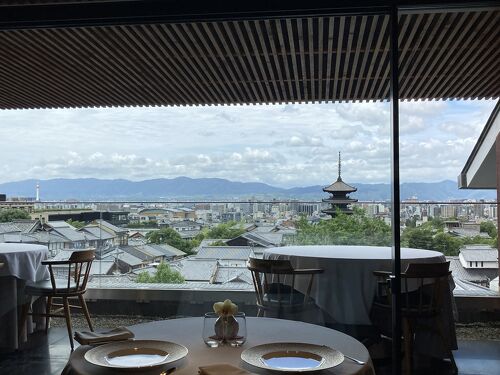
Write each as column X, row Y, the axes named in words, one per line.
column 188, row 332
column 22, row 263
column 346, row 289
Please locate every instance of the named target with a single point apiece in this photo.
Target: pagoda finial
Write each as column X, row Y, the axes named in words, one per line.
column 340, row 168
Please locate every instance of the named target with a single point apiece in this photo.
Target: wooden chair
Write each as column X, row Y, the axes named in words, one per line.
column 274, row 282
column 73, row 285
column 422, row 291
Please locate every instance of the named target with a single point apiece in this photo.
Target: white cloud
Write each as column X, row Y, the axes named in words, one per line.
column 287, row 145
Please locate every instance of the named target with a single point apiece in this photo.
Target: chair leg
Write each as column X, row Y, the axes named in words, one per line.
column 408, row 343
column 68, row 321
column 86, row 312
column 47, row 311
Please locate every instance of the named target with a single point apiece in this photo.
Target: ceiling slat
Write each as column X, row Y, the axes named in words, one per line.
column 452, row 55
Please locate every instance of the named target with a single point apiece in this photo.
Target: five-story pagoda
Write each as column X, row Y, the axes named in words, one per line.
column 339, row 198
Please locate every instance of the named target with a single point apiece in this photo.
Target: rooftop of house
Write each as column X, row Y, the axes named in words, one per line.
column 479, row 254
column 193, row 269
column 124, row 257
column 466, row 232
column 467, row 288
column 470, row 274
column 70, row 234
column 224, row 252
column 97, row 232
column 111, row 227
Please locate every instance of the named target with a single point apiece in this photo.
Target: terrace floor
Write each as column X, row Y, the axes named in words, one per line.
column 48, row 354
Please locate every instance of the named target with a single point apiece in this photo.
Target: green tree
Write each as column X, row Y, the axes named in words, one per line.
column 489, row 227
column 172, row 238
column 218, row 243
column 230, row 229
column 9, row 214
column 77, row 224
column 419, row 238
column 446, row 244
column 164, row 274
column 354, row 229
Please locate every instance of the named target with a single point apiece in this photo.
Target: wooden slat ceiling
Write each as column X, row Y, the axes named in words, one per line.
column 314, row 59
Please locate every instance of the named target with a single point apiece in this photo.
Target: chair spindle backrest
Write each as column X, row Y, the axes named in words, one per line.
column 423, row 285
column 78, row 266
column 272, row 272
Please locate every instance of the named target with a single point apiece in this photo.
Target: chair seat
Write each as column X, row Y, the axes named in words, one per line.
column 285, row 295
column 44, row 287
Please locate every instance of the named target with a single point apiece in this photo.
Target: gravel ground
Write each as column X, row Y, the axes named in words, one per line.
column 478, row 331
column 470, row 331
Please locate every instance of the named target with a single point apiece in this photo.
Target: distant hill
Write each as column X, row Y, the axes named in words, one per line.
column 218, row 188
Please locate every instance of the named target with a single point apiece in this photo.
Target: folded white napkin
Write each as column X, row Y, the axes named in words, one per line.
column 92, row 338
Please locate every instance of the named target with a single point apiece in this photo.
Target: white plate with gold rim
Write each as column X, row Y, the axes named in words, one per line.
column 135, row 355
column 292, row 357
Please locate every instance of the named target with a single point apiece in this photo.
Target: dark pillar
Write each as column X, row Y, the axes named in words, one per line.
column 497, row 151
column 395, row 195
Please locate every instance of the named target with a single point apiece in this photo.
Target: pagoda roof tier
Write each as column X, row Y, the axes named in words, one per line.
column 334, row 211
column 340, row 201
column 339, row 185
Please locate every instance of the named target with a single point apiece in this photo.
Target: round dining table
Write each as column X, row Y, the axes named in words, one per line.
column 188, row 332
column 347, row 287
column 22, row 263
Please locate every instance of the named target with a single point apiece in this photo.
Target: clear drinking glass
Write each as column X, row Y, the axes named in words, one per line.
column 209, row 335
column 212, row 339
column 241, row 336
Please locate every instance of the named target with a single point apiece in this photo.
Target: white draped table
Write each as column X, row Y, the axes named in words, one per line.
column 347, row 288
column 22, row 263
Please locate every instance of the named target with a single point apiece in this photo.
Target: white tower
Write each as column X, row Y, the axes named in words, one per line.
column 38, row 192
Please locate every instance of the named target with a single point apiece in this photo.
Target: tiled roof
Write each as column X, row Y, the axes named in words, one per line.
column 467, row 288
column 70, row 234
column 127, row 282
column 270, row 239
column 193, row 269
column 60, row 224
column 97, row 232
column 464, row 232
column 136, row 252
column 484, row 254
column 340, row 186
column 124, row 257
column 224, row 252
column 470, row 274
column 26, row 225
column 224, row 274
column 168, row 250
column 189, row 233
column 9, row 228
column 111, row 227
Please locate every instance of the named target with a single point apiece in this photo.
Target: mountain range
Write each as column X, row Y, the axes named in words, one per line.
column 218, row 188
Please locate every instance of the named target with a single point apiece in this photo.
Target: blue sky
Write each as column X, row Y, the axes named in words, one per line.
column 283, row 145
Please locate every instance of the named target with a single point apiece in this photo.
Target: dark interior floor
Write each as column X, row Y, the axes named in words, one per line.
column 48, row 354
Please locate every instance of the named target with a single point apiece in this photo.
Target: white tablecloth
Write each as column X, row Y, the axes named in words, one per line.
column 22, row 263
column 347, row 287
column 188, row 332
